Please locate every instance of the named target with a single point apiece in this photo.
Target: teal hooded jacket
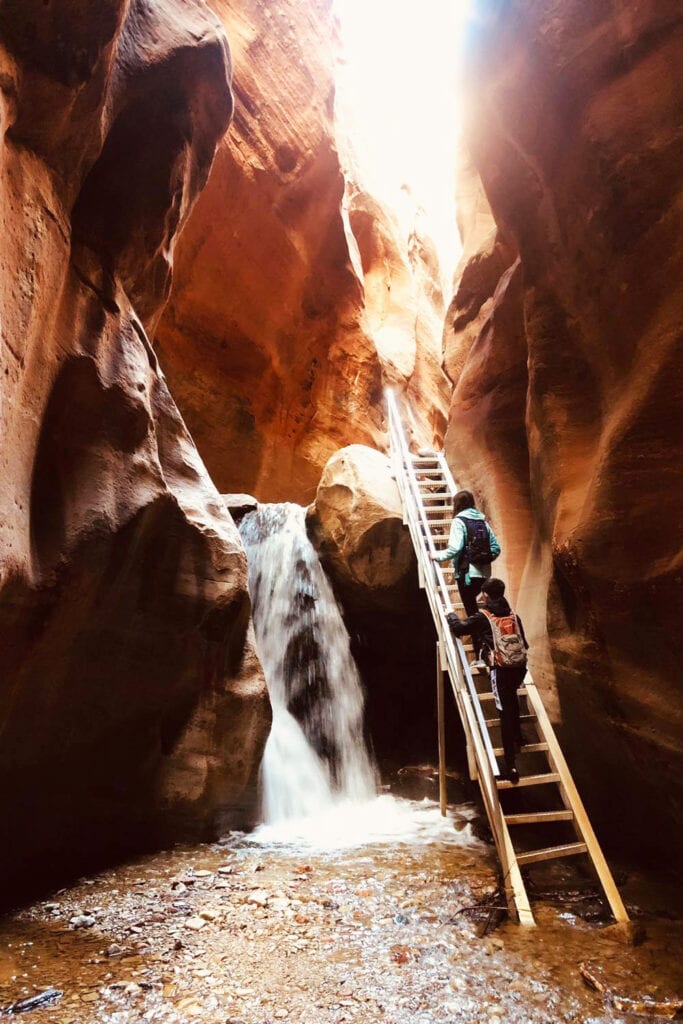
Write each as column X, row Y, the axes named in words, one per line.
column 457, row 539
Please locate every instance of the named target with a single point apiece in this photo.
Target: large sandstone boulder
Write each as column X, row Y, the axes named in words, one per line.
column 132, row 704
column 276, row 340
column 356, row 524
column 567, row 366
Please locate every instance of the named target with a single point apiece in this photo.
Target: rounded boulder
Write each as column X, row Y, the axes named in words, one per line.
column 356, row 524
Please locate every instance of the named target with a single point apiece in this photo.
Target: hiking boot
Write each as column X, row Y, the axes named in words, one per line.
column 479, row 665
column 512, row 775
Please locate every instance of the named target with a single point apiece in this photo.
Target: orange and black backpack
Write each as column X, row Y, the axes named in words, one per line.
column 508, row 646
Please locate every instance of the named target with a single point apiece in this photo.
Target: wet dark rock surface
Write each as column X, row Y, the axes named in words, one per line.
column 383, row 934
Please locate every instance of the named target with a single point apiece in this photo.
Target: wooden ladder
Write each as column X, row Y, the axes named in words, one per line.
column 427, row 488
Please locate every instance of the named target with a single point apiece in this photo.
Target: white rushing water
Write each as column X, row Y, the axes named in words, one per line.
column 316, row 758
column 346, row 824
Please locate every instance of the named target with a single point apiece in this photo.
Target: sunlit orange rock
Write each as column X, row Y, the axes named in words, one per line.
column 356, row 523
column 277, row 340
column 131, row 700
column 568, row 369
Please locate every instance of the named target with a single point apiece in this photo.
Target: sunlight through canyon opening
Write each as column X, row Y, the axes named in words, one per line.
column 397, row 109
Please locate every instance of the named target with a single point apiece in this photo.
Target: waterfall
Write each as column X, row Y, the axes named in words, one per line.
column 316, row 752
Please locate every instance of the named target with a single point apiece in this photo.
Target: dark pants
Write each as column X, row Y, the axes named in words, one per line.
column 468, row 595
column 505, row 683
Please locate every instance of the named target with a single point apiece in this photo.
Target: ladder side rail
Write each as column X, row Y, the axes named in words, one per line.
column 468, row 717
column 398, row 467
column 475, row 729
column 473, row 719
column 513, row 884
column 429, row 571
column 446, row 470
column 451, row 644
column 572, row 800
column 411, row 495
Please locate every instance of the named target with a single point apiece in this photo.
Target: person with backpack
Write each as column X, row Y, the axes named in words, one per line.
column 472, row 546
column 501, row 636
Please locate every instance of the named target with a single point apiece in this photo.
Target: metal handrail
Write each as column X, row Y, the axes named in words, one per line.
column 475, row 729
column 459, row 666
column 452, row 659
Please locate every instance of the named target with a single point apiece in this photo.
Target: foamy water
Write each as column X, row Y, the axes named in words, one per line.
column 345, row 824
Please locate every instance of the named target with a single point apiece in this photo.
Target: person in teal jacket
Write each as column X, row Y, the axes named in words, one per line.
column 472, row 546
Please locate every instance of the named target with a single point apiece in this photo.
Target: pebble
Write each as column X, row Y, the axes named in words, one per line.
column 195, row 923
column 82, row 921
column 260, row 897
column 209, row 915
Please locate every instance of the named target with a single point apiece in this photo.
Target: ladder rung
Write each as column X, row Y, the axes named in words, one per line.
column 550, row 852
column 528, row 780
column 522, row 718
column 490, row 695
column 528, row 748
column 538, row 817
column 431, row 472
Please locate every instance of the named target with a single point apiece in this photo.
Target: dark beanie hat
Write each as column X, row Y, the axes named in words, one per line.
column 494, row 588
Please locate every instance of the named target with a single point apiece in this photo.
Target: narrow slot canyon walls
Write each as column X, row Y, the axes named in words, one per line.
column 131, row 697
column 131, row 700
column 563, row 341
column 295, row 299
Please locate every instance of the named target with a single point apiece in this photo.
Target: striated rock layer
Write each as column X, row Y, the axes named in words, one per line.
column 281, row 333
column 564, row 343
column 131, row 699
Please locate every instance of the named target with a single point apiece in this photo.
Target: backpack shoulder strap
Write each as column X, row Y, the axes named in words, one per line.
column 492, row 622
column 466, row 523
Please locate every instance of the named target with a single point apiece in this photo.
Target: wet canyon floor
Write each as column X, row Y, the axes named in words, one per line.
column 388, row 931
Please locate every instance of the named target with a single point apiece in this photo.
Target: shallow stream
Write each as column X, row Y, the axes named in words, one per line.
column 377, row 915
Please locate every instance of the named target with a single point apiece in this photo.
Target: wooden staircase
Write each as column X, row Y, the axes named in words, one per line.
column 427, row 488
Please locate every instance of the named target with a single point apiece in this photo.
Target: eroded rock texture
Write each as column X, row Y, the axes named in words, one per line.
column 131, row 697
column 564, row 341
column 270, row 340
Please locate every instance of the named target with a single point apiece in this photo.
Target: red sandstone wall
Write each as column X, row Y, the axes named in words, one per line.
column 123, row 604
column 268, row 340
column 564, row 343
